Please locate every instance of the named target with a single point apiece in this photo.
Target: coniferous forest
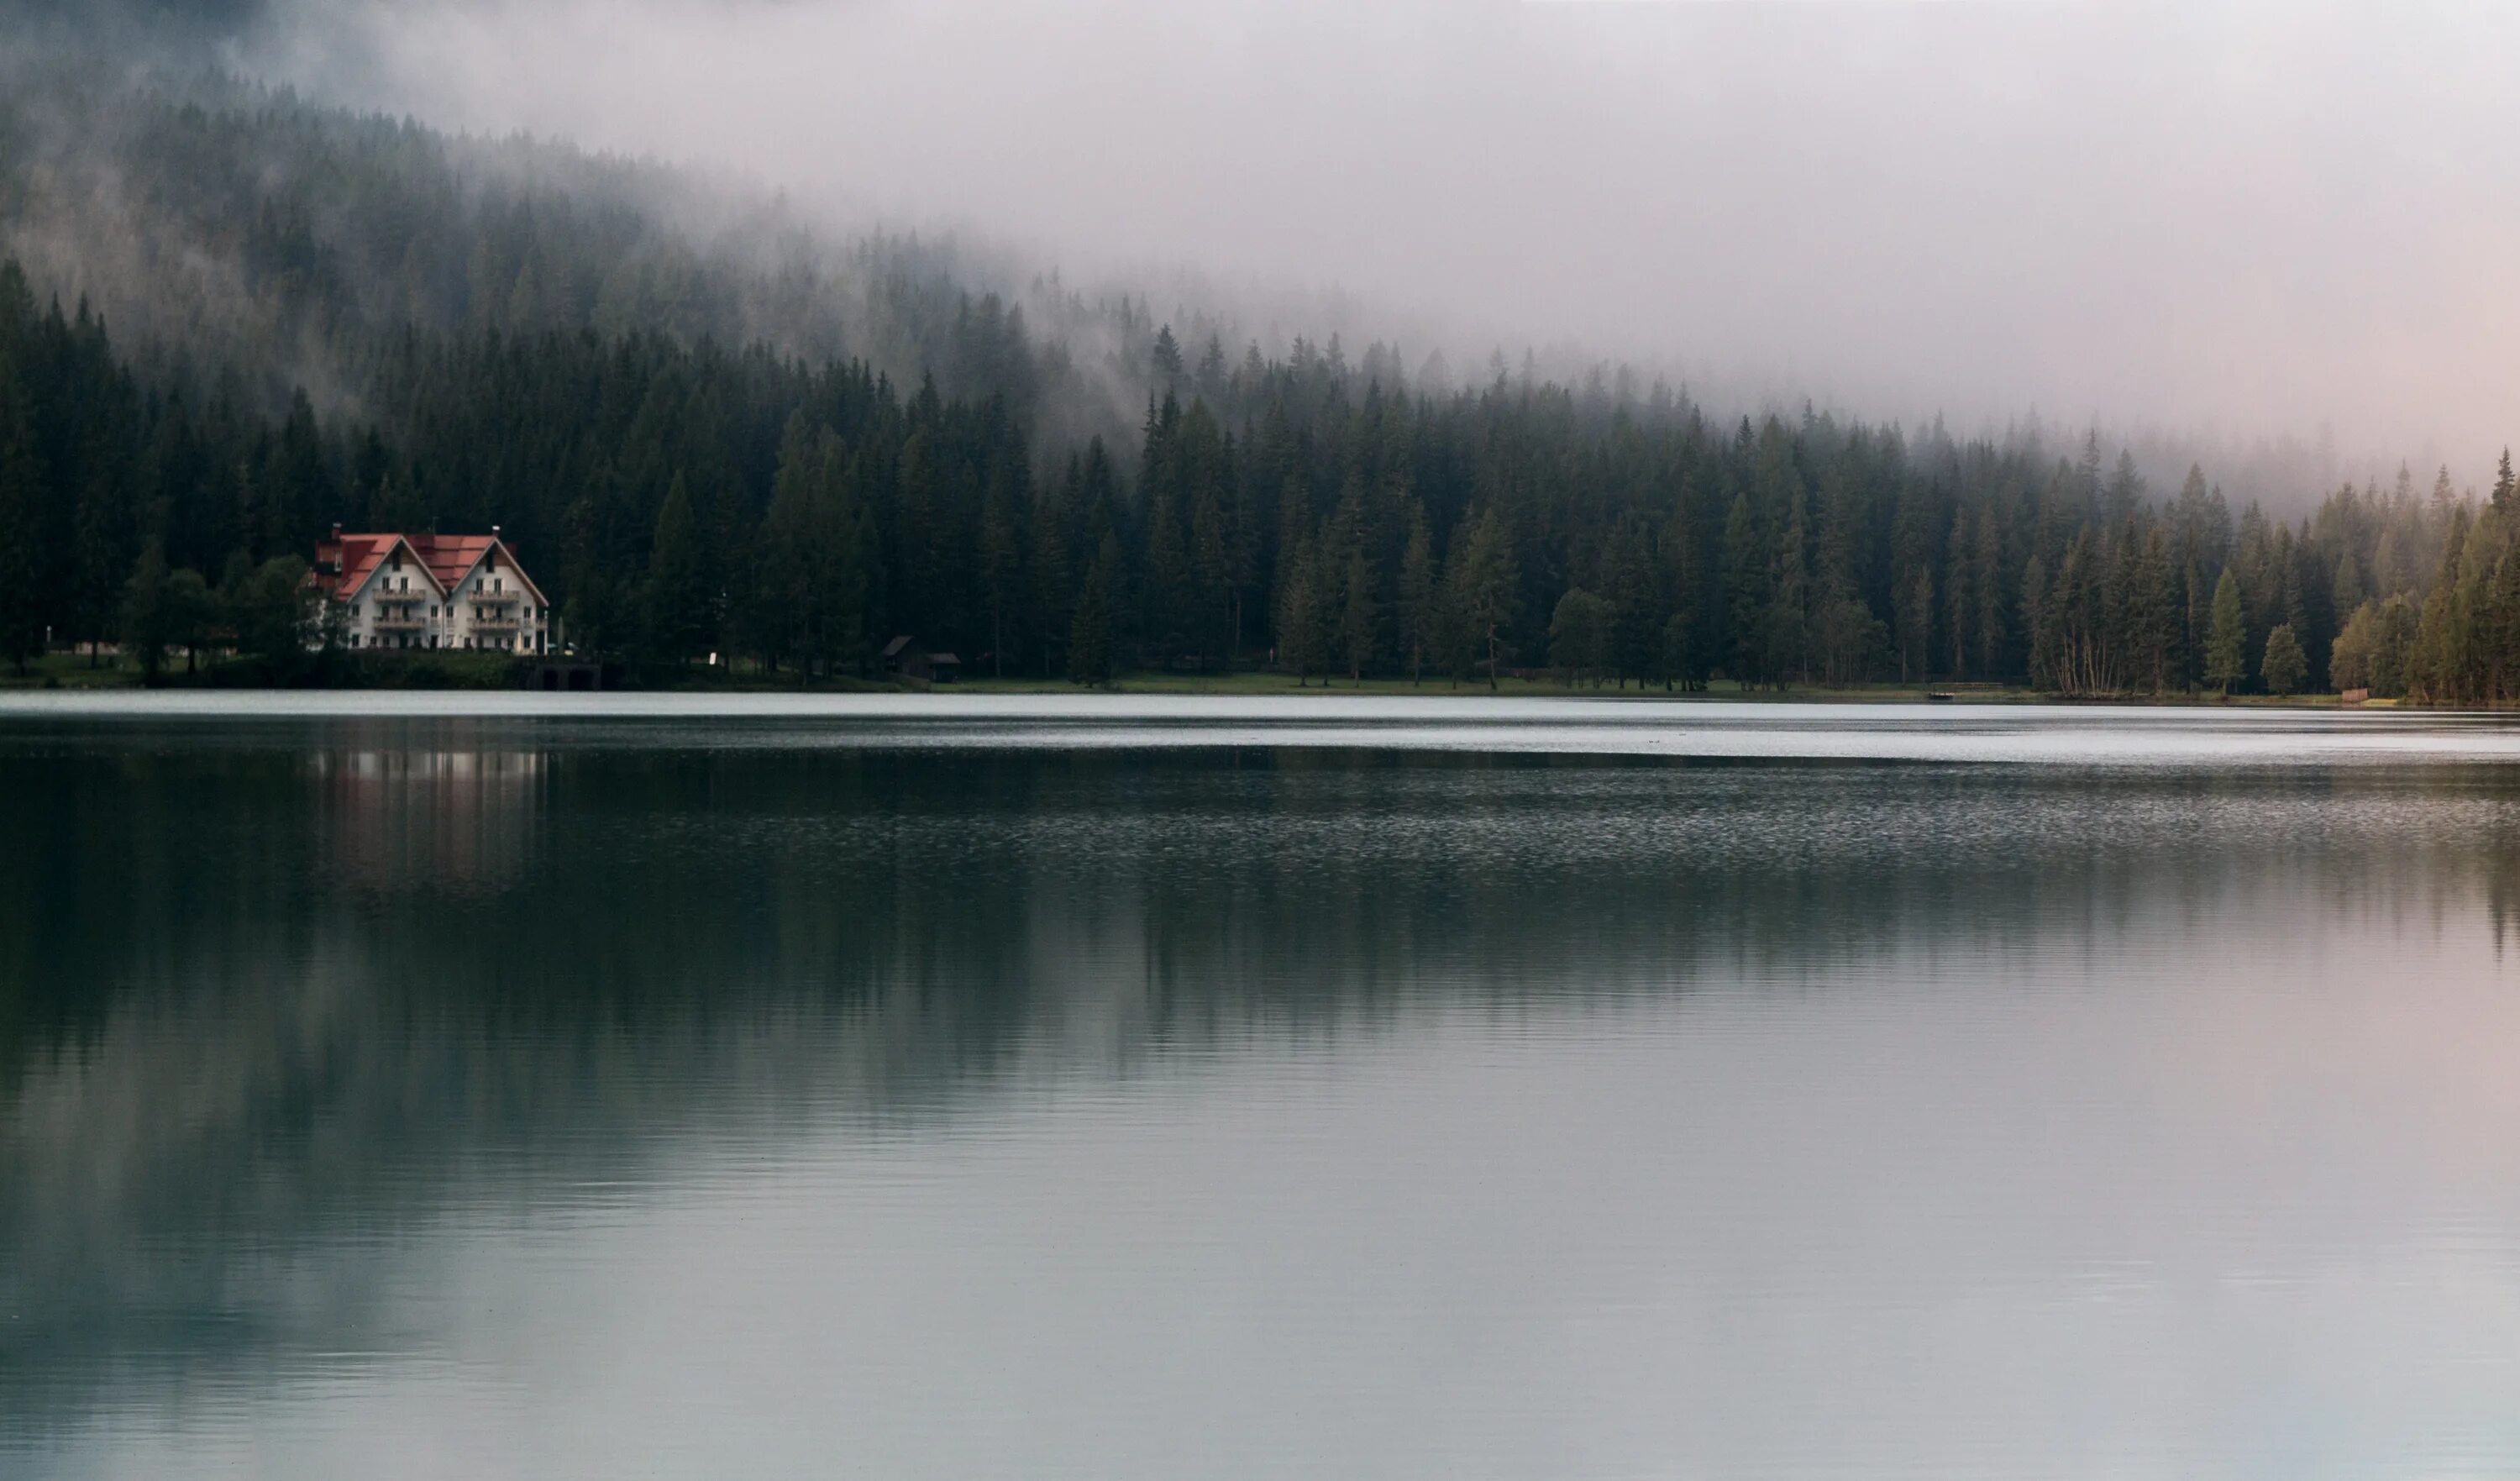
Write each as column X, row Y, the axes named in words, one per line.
column 735, row 439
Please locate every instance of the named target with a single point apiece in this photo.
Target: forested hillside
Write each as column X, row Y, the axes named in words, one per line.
column 232, row 319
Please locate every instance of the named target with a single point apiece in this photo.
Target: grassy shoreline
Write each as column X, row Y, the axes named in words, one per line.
column 488, row 671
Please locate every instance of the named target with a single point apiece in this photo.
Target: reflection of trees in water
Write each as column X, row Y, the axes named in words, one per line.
column 254, row 1000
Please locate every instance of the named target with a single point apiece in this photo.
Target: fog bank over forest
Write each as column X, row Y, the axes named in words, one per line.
column 2254, row 220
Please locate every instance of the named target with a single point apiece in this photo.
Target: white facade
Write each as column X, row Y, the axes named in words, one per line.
column 386, row 610
column 494, row 606
column 473, row 596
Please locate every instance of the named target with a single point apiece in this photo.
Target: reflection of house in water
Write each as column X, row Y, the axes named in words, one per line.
column 455, row 817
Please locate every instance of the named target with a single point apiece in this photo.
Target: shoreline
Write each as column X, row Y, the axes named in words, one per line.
column 70, row 673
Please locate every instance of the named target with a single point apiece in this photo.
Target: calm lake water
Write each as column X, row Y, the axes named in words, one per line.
column 422, row 1086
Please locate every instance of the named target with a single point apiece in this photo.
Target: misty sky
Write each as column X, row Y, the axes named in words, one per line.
column 2265, row 216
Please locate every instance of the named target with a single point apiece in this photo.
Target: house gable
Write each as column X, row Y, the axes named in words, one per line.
column 495, row 554
column 364, row 558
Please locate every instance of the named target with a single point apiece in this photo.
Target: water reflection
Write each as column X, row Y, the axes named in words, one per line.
column 1472, row 1106
column 456, row 816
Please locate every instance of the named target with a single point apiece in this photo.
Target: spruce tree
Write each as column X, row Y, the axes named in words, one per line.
column 2152, row 613
column 676, row 596
column 103, row 528
column 145, row 615
column 1915, row 623
column 1785, row 625
column 2284, row 666
column 1746, row 590
column 1360, row 616
column 1417, row 591
column 1000, row 566
column 191, row 611
column 2225, row 651
column 2440, row 638
column 1303, row 641
column 1089, row 629
column 1678, row 667
column 1636, row 601
column 23, row 552
column 1482, row 581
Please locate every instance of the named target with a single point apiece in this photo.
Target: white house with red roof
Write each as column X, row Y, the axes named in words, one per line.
column 422, row 591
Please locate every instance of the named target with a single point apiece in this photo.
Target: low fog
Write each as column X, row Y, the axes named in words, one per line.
column 2248, row 220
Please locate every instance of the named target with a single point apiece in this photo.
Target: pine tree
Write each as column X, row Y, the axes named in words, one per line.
column 191, row 609
column 1482, row 581
column 2283, row 666
column 1787, row 623
column 1746, row 590
column 677, row 597
column 1166, row 584
column 103, row 527
column 2440, row 633
column 1956, row 601
column 2194, row 617
column 1303, row 631
column 1089, row 630
column 22, row 556
column 145, row 615
column 2152, row 613
column 1053, row 597
column 1417, row 591
column 1678, row 667
column 1635, row 600
column 2036, row 625
column 1915, row 623
column 1360, row 616
column 2225, row 653
column 1683, row 613
column 1986, row 563
column 1000, row 566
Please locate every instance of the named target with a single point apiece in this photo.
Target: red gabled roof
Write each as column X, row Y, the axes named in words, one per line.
column 355, row 559
column 450, row 556
column 445, row 559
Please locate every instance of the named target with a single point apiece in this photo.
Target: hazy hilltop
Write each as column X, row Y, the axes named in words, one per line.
column 247, row 231
column 256, row 235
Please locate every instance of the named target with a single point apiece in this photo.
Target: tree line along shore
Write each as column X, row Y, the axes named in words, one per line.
column 1309, row 521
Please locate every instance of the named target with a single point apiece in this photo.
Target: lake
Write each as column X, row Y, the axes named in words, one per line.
column 527, row 1086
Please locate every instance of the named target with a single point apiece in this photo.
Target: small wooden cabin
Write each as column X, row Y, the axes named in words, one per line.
column 904, row 656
